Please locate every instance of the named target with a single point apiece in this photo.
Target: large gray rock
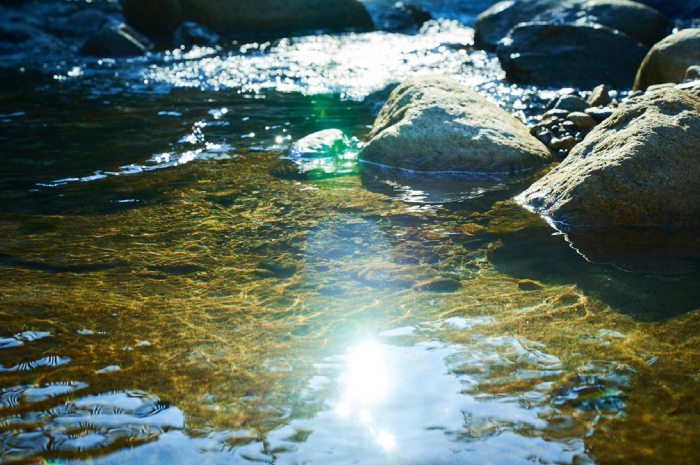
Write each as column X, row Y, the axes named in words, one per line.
column 437, row 124
column 570, row 55
column 668, row 60
column 160, row 18
column 640, row 22
column 639, row 168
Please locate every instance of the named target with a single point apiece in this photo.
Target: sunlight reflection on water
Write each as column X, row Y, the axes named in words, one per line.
column 352, row 65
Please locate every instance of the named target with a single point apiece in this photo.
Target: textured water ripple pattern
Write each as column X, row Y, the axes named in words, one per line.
column 44, row 419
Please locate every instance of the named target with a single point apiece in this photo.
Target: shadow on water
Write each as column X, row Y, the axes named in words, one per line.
column 651, row 277
column 56, row 154
column 458, row 191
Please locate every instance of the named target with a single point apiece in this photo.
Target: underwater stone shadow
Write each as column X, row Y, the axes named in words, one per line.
column 648, row 276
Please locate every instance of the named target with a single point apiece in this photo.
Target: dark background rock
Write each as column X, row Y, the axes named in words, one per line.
column 642, row 23
column 570, row 55
column 160, row 18
column 116, row 41
column 676, row 8
column 639, row 168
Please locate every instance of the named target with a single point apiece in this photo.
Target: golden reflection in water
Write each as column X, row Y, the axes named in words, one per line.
column 367, row 383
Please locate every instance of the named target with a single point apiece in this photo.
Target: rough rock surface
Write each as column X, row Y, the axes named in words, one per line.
column 639, row 168
column 668, row 60
column 640, row 22
column 570, row 55
column 436, row 124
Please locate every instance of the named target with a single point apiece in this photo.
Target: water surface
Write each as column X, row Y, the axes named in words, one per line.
column 167, row 297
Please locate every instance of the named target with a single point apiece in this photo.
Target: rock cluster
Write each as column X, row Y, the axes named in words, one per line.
column 639, row 168
column 571, row 118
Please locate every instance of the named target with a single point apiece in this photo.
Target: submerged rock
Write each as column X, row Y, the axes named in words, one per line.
column 117, row 41
column 437, row 124
column 440, row 284
column 639, row 168
column 324, row 153
column 569, row 55
column 643, row 24
column 668, row 60
column 160, row 18
column 326, row 143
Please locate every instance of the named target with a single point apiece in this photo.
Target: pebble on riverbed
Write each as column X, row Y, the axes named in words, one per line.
column 571, row 118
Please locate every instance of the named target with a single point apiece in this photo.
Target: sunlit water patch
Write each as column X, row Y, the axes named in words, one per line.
column 352, row 65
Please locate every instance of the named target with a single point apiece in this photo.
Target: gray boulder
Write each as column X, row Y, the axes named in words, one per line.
column 639, row 168
column 668, row 60
column 160, row 18
column 437, row 124
column 640, row 22
column 570, row 55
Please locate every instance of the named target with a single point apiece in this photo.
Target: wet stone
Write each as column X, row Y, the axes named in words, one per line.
column 277, row 269
column 571, row 103
column 600, row 96
column 582, row 121
column 600, row 114
column 565, row 143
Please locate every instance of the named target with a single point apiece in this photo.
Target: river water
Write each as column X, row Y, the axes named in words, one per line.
column 168, row 297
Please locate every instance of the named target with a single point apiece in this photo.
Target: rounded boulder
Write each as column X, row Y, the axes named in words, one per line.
column 436, row 124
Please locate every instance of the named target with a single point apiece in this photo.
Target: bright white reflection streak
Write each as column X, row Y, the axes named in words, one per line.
column 367, row 382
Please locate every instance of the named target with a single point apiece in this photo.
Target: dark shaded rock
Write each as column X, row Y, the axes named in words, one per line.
column 571, row 103
column 401, row 17
column 639, row 168
column 436, row 124
column 570, row 55
column 640, row 22
column 17, row 38
column 440, row 284
column 160, row 18
column 190, row 34
column 565, row 143
column 582, row 121
column 600, row 114
column 668, row 60
column 80, row 24
column 117, row 41
column 675, row 8
column 600, row 96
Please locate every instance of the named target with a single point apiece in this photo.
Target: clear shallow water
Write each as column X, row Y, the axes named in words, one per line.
column 165, row 298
